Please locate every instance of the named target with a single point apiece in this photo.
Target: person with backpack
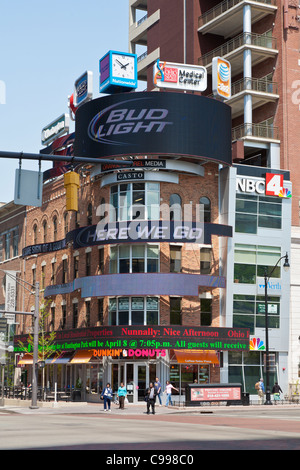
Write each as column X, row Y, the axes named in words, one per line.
column 276, row 390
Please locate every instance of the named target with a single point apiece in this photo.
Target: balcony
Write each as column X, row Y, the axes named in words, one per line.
column 262, row 46
column 144, row 61
column 226, row 19
column 261, row 90
column 138, row 30
column 256, row 132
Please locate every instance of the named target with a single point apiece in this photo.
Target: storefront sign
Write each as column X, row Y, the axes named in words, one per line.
column 154, row 124
column 179, row 76
column 139, row 338
column 150, row 353
column 55, row 129
column 149, row 164
column 130, row 175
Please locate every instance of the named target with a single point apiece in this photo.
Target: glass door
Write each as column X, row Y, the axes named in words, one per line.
column 142, row 380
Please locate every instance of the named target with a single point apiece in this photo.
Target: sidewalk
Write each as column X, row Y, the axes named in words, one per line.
column 23, row 407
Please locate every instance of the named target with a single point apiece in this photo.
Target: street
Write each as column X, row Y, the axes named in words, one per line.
column 211, row 428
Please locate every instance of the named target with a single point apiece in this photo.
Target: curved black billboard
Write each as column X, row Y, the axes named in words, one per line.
column 154, row 124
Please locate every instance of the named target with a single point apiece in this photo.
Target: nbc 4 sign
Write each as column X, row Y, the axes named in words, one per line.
column 274, row 186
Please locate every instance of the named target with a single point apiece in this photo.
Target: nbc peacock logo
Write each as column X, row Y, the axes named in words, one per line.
column 286, row 193
column 256, row 344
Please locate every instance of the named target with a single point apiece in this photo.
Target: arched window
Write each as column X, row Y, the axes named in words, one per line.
column 175, row 207
column 205, row 209
column 35, row 231
column 102, row 209
column 55, row 228
column 45, row 231
column 89, row 214
column 66, row 223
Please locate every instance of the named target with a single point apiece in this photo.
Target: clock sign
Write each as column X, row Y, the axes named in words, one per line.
column 118, row 72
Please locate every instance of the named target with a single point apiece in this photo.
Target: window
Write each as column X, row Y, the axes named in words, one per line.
column 134, row 311
column 175, row 310
column 175, row 259
column 205, row 210
column 253, row 212
column 7, row 245
column 205, row 260
column 35, row 232
column 15, row 241
column 102, row 210
column 88, row 258
column 206, row 312
column 45, row 231
column 64, row 271
column 55, row 228
column 100, row 311
column 101, row 260
column 87, row 313
column 52, row 318
column 134, row 259
column 75, row 314
column 66, row 223
column 77, row 219
column 33, row 276
column 43, row 275
column 249, row 312
column 76, row 266
column 53, row 273
column 175, row 207
column 132, row 201
column 90, row 214
column 250, row 262
column 63, row 316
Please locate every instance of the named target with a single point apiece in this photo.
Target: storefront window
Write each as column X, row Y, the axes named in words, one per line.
column 134, row 311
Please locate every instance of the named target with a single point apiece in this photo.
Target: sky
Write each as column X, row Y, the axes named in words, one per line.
column 44, row 47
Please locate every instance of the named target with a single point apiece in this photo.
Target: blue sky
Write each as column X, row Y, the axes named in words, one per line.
column 44, row 47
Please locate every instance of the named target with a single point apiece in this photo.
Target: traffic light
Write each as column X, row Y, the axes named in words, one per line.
column 71, row 183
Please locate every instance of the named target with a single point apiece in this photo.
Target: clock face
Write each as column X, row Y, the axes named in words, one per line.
column 123, row 66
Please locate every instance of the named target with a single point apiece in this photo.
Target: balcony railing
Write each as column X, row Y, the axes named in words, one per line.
column 261, row 131
column 244, row 39
column 254, row 84
column 223, row 7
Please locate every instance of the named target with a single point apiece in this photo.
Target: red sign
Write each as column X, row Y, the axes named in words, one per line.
column 274, row 184
column 215, row 394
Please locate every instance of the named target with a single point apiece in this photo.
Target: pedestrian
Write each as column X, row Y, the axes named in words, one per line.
column 122, row 393
column 157, row 386
column 276, row 390
column 259, row 386
column 107, row 395
column 168, row 391
column 150, row 398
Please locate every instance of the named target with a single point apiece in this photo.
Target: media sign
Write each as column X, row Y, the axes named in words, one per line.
column 221, row 78
column 154, row 124
column 55, row 129
column 154, row 337
column 179, row 76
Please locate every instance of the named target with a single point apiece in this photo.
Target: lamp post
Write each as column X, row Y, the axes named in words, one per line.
column 267, row 276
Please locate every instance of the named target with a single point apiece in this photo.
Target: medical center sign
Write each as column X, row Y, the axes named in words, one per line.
column 179, row 76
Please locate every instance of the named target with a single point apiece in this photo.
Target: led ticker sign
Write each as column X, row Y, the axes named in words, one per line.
column 154, row 337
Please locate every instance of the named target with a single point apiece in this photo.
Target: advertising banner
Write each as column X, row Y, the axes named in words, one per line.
column 179, row 76
column 154, row 124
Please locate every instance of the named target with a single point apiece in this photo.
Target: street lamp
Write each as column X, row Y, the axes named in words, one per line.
column 267, row 276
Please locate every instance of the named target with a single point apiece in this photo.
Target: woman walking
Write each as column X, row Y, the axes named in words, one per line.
column 107, row 395
column 168, row 391
column 122, row 393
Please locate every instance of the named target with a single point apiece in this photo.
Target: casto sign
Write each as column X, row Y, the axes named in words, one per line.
column 148, row 123
column 136, row 337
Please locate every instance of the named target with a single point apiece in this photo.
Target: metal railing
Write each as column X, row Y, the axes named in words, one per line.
column 259, row 130
column 223, row 7
column 244, row 39
column 254, row 84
